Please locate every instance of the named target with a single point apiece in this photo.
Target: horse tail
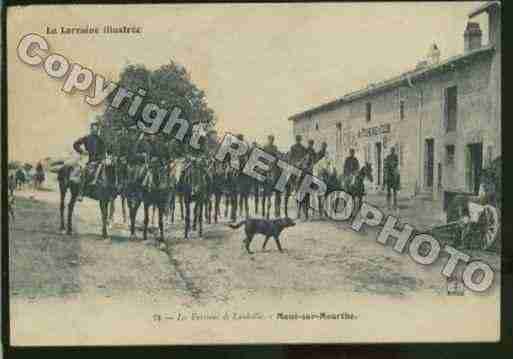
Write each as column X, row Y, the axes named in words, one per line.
column 238, row 225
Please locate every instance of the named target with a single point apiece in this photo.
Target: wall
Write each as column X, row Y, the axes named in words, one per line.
column 476, row 123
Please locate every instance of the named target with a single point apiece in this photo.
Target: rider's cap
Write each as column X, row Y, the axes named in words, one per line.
column 298, row 137
column 271, row 137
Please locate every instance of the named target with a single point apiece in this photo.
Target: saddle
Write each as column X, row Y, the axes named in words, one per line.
column 90, row 172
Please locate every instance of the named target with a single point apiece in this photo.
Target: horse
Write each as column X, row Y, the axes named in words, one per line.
column 11, row 182
column 175, row 167
column 244, row 186
column 230, row 190
column 39, row 177
column 216, row 187
column 354, row 185
column 103, row 190
column 21, row 178
column 148, row 184
column 121, row 168
column 193, row 183
column 257, row 187
column 269, row 190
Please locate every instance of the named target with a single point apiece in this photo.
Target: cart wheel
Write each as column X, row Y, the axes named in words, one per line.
column 489, row 220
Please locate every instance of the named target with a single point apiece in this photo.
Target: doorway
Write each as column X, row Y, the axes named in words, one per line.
column 378, row 161
column 473, row 166
column 429, row 161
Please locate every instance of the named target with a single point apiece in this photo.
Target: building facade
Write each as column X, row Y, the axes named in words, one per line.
column 443, row 117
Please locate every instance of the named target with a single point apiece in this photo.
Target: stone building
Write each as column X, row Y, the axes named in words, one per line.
column 443, row 117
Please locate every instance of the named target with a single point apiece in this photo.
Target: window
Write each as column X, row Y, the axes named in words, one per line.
column 317, row 127
column 451, row 108
column 450, row 151
column 401, row 109
column 368, row 109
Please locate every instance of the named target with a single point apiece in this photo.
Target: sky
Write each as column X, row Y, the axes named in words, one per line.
column 258, row 63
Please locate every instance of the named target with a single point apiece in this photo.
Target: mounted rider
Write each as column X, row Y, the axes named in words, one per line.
column 297, row 152
column 272, row 149
column 312, row 157
column 95, row 149
column 153, row 153
column 351, row 168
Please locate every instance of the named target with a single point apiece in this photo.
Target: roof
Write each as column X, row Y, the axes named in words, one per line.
column 483, row 8
column 393, row 82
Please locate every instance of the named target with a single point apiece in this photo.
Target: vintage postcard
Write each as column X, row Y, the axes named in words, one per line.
column 254, row 173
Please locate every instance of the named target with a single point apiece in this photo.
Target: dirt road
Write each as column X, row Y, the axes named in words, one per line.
column 320, row 258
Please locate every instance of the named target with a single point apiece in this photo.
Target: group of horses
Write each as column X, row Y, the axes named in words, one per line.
column 198, row 184
column 19, row 178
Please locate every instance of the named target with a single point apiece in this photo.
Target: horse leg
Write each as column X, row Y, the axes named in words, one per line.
column 63, row 190
column 71, row 206
column 172, row 204
column 226, row 204
column 104, row 210
column 182, row 206
column 320, row 203
column 277, row 204
column 240, row 206
column 146, row 220
column 269, row 204
column 246, row 204
column 187, row 216
column 208, row 210
column 307, row 205
column 257, row 200
column 233, row 215
column 162, row 209
column 153, row 215
column 123, row 208
column 263, row 204
column 132, row 208
column 217, row 206
column 195, row 215
column 112, row 209
column 286, row 204
column 200, row 216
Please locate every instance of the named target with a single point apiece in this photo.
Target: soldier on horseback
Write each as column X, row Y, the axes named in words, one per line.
column 351, row 165
column 297, row 151
column 310, row 158
column 271, row 149
column 95, row 149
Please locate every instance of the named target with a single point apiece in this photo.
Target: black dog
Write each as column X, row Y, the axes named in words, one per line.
column 269, row 228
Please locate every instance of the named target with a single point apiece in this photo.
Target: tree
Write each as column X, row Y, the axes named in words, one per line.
column 168, row 86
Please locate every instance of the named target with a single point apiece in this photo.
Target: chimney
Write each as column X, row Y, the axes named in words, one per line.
column 433, row 56
column 472, row 36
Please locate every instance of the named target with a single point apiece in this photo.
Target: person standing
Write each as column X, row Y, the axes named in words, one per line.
column 391, row 176
column 351, row 164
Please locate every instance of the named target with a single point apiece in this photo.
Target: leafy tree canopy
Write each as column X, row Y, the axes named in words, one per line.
column 168, row 87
